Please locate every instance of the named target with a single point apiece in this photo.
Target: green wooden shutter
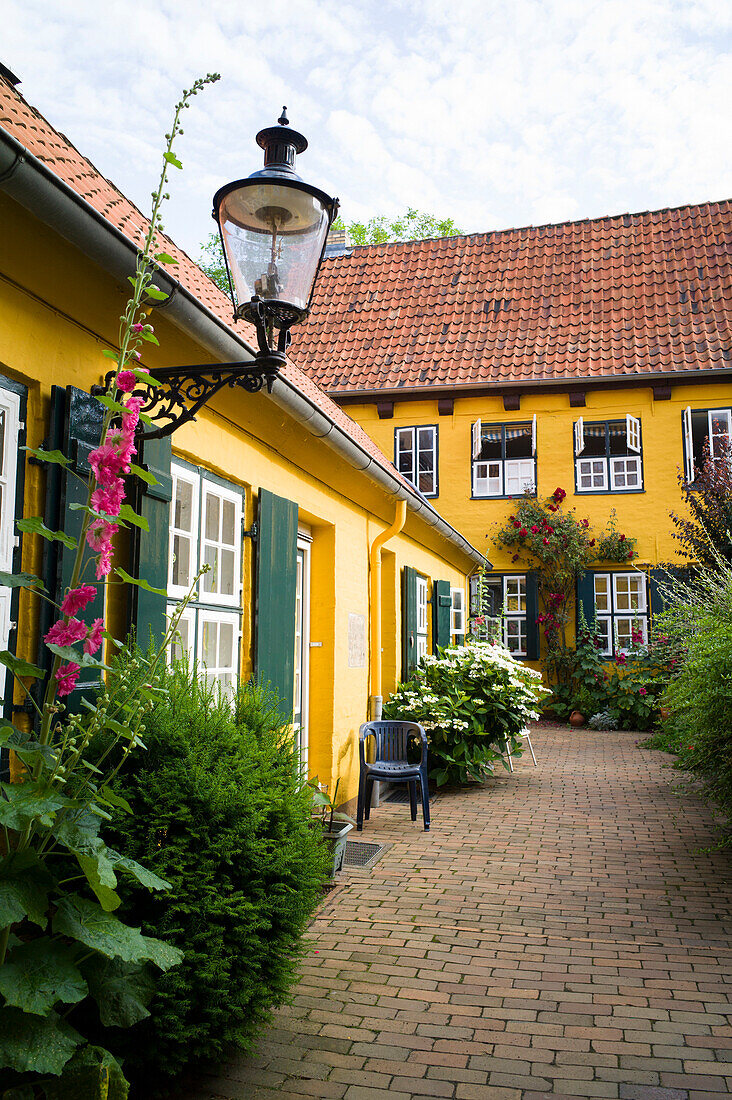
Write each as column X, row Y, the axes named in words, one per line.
column 441, row 612
column 274, row 647
column 75, row 427
column 409, row 621
column 533, row 642
column 586, row 597
column 150, row 560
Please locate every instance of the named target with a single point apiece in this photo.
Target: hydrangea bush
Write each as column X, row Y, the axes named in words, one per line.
column 474, row 701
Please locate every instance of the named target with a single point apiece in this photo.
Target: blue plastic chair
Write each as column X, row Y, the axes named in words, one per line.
column 390, row 763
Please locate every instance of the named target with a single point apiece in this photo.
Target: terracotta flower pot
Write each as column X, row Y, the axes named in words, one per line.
column 664, row 713
column 576, row 718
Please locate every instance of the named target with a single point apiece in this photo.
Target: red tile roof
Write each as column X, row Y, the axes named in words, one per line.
column 633, row 294
column 31, row 129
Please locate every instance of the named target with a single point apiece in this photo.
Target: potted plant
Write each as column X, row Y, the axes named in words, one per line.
column 335, row 825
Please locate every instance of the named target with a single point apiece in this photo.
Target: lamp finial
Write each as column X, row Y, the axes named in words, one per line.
column 283, row 119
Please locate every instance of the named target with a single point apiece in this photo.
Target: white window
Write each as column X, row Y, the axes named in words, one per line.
column 205, row 529
column 621, row 611
column 504, row 459
column 514, row 615
column 416, row 457
column 591, row 474
column 457, row 614
column 501, row 602
column 611, row 458
column 707, row 433
column 421, row 617
column 9, row 433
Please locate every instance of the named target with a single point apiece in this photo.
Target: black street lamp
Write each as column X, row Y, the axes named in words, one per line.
column 274, row 229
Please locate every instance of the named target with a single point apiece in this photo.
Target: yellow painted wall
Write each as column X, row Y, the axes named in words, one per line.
column 643, row 515
column 57, row 314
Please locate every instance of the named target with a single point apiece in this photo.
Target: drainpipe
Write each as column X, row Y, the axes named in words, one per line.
column 400, row 517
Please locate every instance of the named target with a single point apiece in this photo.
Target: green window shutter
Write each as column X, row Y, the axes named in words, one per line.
column 274, row 648
column 150, row 557
column 75, row 428
column 533, row 642
column 409, row 621
column 586, row 597
column 441, row 611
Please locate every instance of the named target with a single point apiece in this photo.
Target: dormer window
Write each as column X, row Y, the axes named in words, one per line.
column 608, row 456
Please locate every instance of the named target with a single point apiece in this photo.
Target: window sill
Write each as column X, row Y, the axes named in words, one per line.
column 608, row 492
column 515, row 496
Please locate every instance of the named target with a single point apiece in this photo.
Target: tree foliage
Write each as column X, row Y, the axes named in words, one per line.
column 413, row 225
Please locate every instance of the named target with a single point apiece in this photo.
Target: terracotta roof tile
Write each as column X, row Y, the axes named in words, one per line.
column 27, row 126
column 630, row 294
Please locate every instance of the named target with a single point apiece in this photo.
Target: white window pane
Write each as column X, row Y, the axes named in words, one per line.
column 603, row 631
column 488, row 479
column 212, row 517
column 183, row 506
column 602, row 592
column 2, row 442
column 228, row 523
column 210, row 579
column 181, row 572
column 226, row 645
column 209, row 651
column 519, row 476
column 227, row 560
column 514, row 636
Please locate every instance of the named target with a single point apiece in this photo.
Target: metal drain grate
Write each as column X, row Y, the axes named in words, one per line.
column 359, row 853
column 399, row 794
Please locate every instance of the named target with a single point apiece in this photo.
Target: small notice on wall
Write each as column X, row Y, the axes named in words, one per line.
column 356, row 641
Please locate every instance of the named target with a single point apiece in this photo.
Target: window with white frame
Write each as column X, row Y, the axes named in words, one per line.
column 707, row 434
column 205, row 530
column 10, row 428
column 421, row 617
column 502, row 603
column 621, row 612
column 415, row 456
column 608, row 456
column 504, row 459
column 457, row 615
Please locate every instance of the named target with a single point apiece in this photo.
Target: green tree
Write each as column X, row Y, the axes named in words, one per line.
column 211, row 261
column 414, row 225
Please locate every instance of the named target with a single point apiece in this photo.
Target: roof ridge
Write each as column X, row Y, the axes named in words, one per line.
column 525, row 228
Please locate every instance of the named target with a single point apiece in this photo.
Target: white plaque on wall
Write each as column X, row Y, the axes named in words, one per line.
column 356, row 641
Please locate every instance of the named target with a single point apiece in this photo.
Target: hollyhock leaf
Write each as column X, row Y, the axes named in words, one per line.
column 48, row 456
column 68, row 653
column 171, row 158
column 24, row 887
column 19, row 667
column 29, row 802
column 150, row 337
column 20, row 580
column 122, row 990
column 128, row 513
column 88, row 923
column 40, row 973
column 145, row 877
column 155, row 294
column 34, row 525
column 165, row 258
column 140, row 583
column 110, row 354
column 36, row 1044
column 144, row 475
column 110, row 403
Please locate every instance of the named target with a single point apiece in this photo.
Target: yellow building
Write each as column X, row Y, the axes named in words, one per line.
column 284, row 494
column 591, row 356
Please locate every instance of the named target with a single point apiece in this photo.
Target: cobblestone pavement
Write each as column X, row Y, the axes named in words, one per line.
column 557, row 933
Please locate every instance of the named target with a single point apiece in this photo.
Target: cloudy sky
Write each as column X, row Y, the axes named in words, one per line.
column 493, row 113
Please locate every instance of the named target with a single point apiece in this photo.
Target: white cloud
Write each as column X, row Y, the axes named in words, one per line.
column 494, row 114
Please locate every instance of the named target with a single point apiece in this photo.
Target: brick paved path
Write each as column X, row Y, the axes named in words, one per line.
column 555, row 934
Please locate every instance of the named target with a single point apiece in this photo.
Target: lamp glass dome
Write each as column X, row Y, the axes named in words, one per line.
column 274, row 231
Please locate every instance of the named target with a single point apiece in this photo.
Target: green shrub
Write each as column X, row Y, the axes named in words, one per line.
column 221, row 812
column 474, row 701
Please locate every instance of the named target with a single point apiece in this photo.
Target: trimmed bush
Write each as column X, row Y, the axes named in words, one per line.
column 220, row 812
column 474, row 701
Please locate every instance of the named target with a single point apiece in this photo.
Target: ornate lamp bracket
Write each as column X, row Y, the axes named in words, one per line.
column 177, row 394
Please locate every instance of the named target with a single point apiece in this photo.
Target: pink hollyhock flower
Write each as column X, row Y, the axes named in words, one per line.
column 138, row 327
column 126, row 381
column 96, row 634
column 132, row 414
column 66, row 678
column 76, row 599
column 100, row 533
column 66, row 632
column 136, row 355
column 479, row 619
column 642, row 691
column 620, row 659
column 106, row 463
column 109, row 498
column 104, row 561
